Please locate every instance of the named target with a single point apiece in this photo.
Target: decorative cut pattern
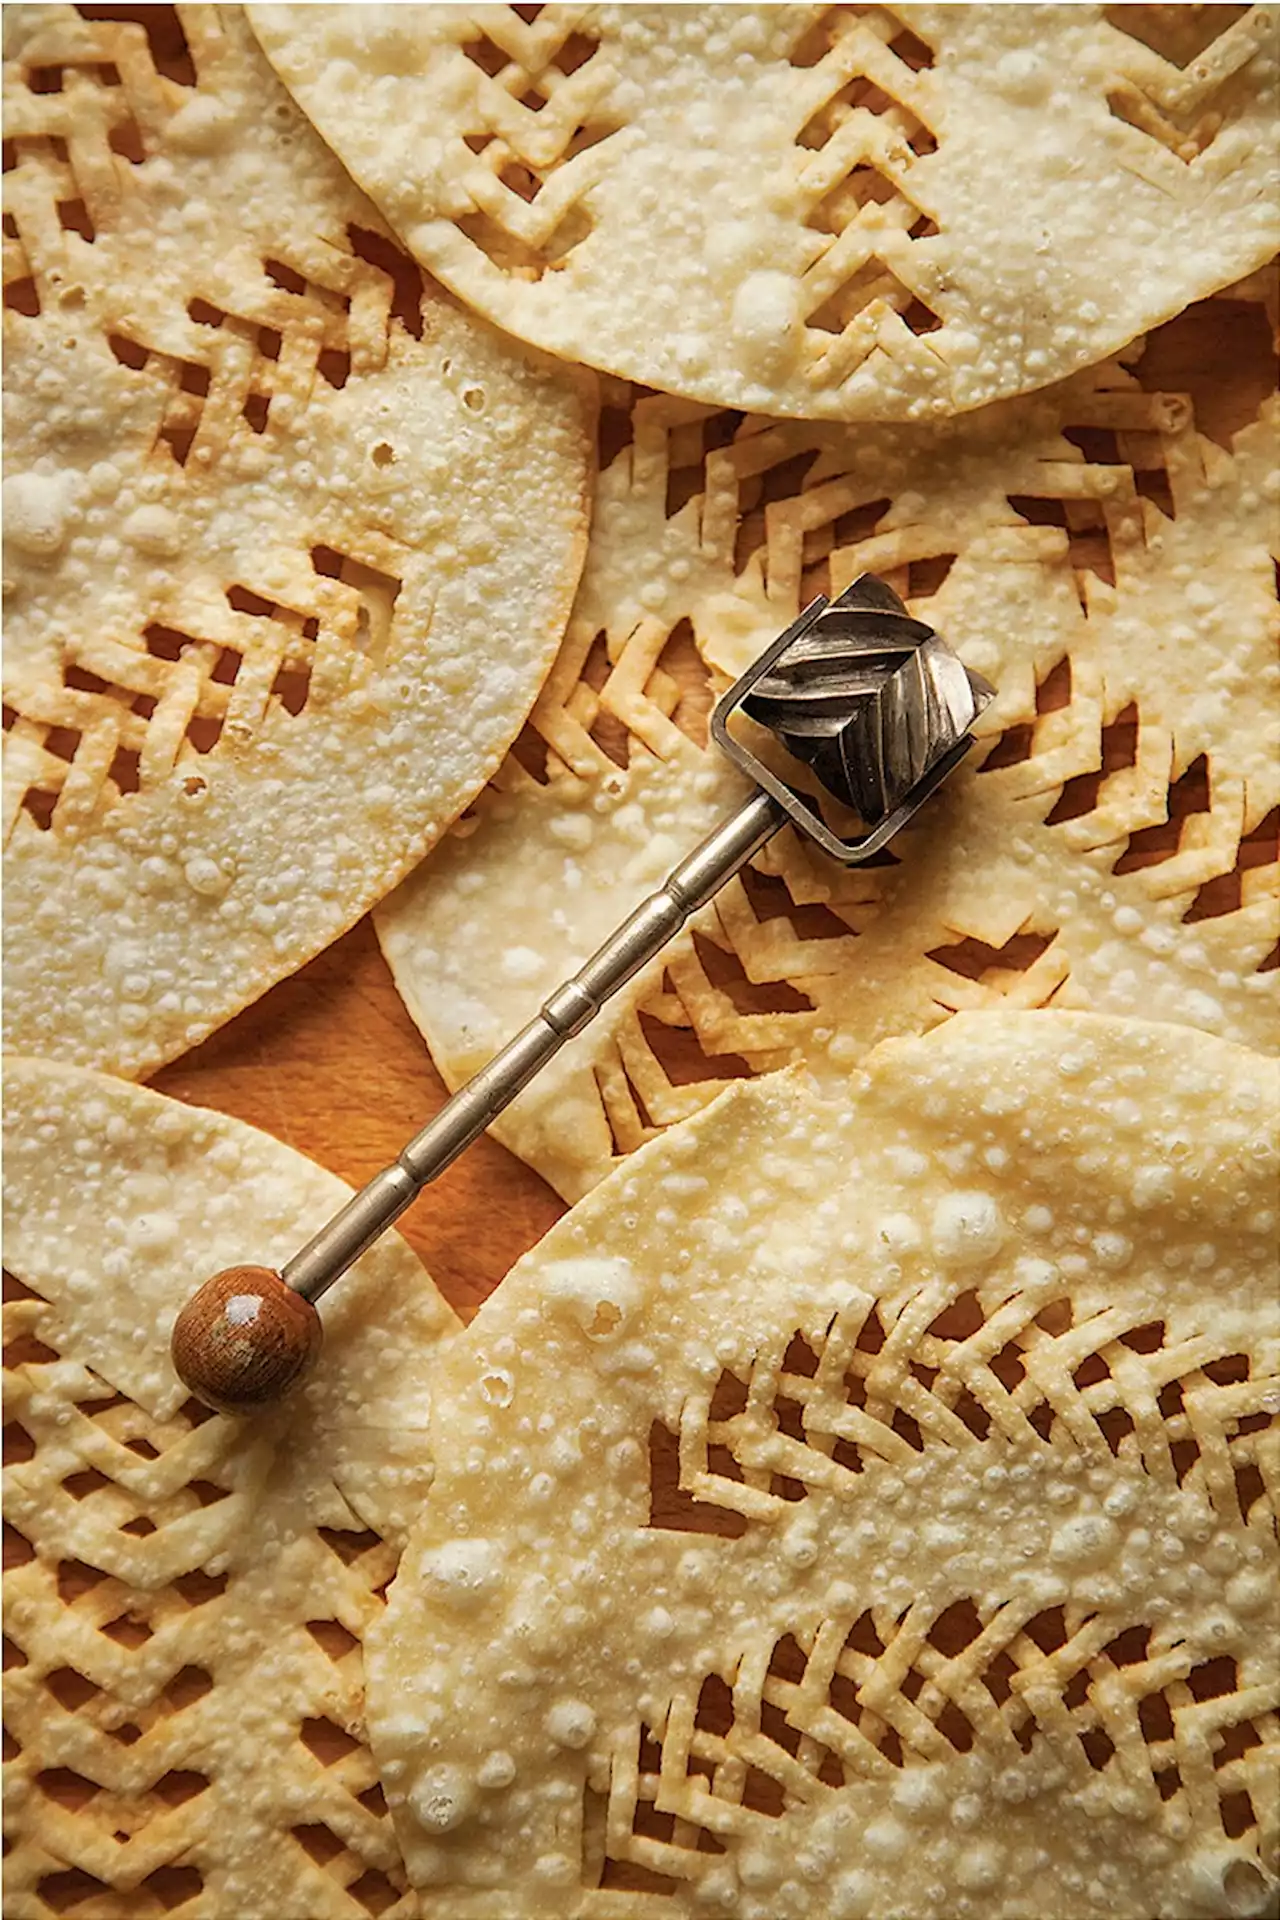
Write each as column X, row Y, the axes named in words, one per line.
column 132, row 1659
column 129, row 709
column 863, row 287
column 862, row 1697
column 232, row 410
column 776, row 502
column 597, row 699
column 818, row 193
column 943, row 1372
column 1177, row 94
column 65, row 133
column 528, row 151
column 779, row 509
column 949, row 1586
column 126, row 715
column 793, row 924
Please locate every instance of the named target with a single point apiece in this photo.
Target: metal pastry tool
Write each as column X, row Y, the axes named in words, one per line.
column 878, row 707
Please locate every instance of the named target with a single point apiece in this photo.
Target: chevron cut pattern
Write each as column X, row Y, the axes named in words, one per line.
column 1098, row 775
column 855, row 157
column 1177, row 92
column 530, row 150
column 540, row 138
column 881, row 1692
column 817, row 192
column 134, row 1667
column 231, row 400
column 325, row 312
column 125, row 709
column 943, row 1372
column 946, row 1589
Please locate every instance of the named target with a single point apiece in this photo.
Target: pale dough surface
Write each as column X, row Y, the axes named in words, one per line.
column 1110, row 844
column 289, row 540
column 864, row 1503
column 190, row 1593
column 858, row 213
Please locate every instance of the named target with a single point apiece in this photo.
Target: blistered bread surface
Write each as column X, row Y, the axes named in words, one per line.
column 864, row 1503
column 835, row 212
column 186, row 1596
column 1101, row 553
column 289, row 540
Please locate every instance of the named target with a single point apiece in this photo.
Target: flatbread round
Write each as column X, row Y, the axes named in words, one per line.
column 865, row 1505
column 289, row 541
column 824, row 211
column 1113, row 845
column 186, row 1596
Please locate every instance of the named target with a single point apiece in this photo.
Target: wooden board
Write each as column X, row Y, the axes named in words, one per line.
column 330, row 1062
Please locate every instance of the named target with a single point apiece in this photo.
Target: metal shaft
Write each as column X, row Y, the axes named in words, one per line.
column 642, row 935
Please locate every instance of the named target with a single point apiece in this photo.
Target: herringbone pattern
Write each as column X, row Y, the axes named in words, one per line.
column 542, row 115
column 867, row 1696
column 257, row 338
column 864, row 290
column 872, row 1692
column 127, row 710
column 942, row 1372
column 1117, row 795
column 1176, row 89
column 68, row 126
column 254, row 471
column 170, row 1767
column 528, row 156
column 853, row 212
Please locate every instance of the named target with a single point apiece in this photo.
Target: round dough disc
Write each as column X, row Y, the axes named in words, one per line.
column 833, row 212
column 186, row 1596
column 864, row 1504
column 289, row 541
column 1111, row 843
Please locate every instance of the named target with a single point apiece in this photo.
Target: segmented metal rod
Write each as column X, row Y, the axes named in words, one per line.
column 642, row 936
column 874, row 702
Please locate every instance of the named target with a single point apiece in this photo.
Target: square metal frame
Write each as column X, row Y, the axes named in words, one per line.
column 850, row 853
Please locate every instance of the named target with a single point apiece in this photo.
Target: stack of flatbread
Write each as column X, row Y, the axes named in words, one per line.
column 863, row 1504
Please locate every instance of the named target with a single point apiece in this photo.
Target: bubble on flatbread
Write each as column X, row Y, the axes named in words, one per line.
column 819, row 211
column 901, row 1583
column 1099, row 552
column 289, row 540
column 186, row 1596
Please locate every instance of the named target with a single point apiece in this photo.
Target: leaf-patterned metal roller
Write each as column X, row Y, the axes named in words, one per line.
column 868, row 697
column 873, row 702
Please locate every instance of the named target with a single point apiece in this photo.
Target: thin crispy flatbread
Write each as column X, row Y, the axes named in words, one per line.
column 864, row 1504
column 823, row 211
column 289, row 541
column 186, row 1596
column 1112, row 845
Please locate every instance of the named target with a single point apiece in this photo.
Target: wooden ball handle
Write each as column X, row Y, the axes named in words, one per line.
column 244, row 1340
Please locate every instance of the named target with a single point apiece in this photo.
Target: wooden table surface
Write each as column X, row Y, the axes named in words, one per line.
column 330, row 1062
